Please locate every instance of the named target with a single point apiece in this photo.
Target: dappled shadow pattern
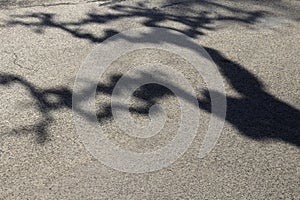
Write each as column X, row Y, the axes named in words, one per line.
column 257, row 114
column 42, row 103
column 153, row 17
column 63, row 96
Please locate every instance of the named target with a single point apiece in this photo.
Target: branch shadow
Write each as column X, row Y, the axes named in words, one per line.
column 257, row 114
column 153, row 17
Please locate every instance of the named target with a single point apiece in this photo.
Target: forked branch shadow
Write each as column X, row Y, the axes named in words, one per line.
column 257, row 114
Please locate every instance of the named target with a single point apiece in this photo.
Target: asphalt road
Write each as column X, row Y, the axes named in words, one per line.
column 255, row 45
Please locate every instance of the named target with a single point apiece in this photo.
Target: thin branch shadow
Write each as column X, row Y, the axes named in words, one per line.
column 153, row 17
column 257, row 114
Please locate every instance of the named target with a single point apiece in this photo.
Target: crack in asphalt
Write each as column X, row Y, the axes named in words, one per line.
column 15, row 61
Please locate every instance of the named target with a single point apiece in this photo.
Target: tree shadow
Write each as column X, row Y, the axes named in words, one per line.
column 42, row 104
column 257, row 114
column 154, row 17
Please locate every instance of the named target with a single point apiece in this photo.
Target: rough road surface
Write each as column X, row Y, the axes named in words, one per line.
column 255, row 45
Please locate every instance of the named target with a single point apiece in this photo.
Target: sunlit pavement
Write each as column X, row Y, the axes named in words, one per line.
column 255, row 45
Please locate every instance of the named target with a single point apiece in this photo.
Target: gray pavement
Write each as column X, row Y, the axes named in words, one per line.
column 255, row 45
